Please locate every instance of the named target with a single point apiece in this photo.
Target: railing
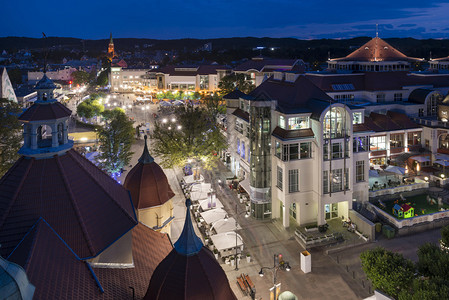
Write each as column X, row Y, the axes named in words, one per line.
column 430, row 123
column 399, row 189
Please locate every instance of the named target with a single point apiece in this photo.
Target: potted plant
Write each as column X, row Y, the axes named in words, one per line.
column 216, row 253
column 232, row 261
column 248, row 258
column 227, row 261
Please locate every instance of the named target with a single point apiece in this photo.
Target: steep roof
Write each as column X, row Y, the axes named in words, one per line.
column 376, row 50
column 87, row 208
column 235, row 94
column 147, row 182
column 40, row 111
column 49, row 262
column 389, row 122
column 301, row 96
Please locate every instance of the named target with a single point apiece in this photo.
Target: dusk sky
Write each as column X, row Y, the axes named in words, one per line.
column 170, row 19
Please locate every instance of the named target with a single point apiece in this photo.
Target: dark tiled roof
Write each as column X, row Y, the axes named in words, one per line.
column 390, row 122
column 58, row 274
column 241, row 114
column 301, row 96
column 292, row 134
column 198, row 276
column 376, row 50
column 235, row 94
column 360, row 128
column 47, row 111
column 45, row 84
column 87, row 208
column 260, row 64
column 148, row 184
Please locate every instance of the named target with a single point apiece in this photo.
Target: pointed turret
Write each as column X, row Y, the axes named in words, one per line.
column 146, row 158
column 193, row 268
column 188, row 243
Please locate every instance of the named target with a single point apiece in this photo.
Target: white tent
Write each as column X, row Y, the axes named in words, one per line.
column 201, row 187
column 178, row 102
column 165, row 103
column 198, row 196
column 208, row 203
column 224, row 241
column 213, row 215
column 222, row 226
column 189, row 179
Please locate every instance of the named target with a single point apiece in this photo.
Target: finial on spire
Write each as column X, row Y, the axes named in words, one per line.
column 146, row 158
column 110, row 39
column 44, row 37
column 377, row 30
column 188, row 243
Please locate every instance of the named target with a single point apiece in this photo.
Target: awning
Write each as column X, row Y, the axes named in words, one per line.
column 395, row 169
column 373, row 173
column 189, row 179
column 421, row 159
column 245, row 184
column 208, row 203
column 223, row 241
column 197, row 196
column 440, row 156
column 201, row 187
column 223, row 226
column 213, row 215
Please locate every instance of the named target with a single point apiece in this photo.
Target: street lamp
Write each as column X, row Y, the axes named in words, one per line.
column 236, row 235
column 274, row 269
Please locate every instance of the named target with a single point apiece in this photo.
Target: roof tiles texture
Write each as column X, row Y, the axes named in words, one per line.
column 87, row 208
column 197, row 276
column 47, row 111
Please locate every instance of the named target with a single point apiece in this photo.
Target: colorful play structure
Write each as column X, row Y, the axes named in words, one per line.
column 403, row 211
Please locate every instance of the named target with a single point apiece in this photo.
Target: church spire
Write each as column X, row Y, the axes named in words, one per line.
column 146, row 158
column 110, row 39
column 188, row 243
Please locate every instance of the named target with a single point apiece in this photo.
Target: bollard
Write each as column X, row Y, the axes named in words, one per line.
column 363, row 283
column 347, row 268
column 353, row 274
column 338, row 259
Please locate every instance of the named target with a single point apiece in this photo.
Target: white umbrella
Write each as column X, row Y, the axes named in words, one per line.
column 395, row 169
column 178, row 102
column 223, row 241
column 213, row 215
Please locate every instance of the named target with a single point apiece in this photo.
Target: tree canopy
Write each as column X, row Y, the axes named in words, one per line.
column 115, row 140
column 193, row 135
column 10, row 134
column 389, row 272
column 81, row 77
column 90, row 107
column 235, row 81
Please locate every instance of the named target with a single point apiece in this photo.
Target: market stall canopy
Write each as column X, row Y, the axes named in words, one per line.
column 213, row 215
column 178, row 102
column 223, row 241
column 197, row 196
column 165, row 103
column 201, row 187
column 209, row 203
column 223, row 226
column 189, row 179
column 373, row 173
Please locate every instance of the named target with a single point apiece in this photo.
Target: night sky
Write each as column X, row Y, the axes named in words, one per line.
column 169, row 19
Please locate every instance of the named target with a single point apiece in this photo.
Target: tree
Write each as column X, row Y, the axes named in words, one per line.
column 80, row 77
column 194, row 135
column 428, row 289
column 235, row 81
column 15, row 76
column 432, row 262
column 445, row 235
column 90, row 108
column 103, row 78
column 115, row 140
column 214, row 105
column 10, row 134
column 389, row 272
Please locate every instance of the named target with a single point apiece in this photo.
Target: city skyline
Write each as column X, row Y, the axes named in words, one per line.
column 175, row 19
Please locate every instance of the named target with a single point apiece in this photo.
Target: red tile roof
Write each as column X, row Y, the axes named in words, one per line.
column 376, row 50
column 198, row 276
column 45, row 111
column 87, row 208
column 58, row 274
column 390, row 122
column 148, row 185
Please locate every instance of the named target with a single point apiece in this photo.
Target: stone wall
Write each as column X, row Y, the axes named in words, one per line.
column 364, row 225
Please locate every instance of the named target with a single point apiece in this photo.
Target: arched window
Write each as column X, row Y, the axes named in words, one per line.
column 334, row 124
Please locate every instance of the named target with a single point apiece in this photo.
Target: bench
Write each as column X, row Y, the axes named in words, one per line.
column 242, row 285
column 248, row 281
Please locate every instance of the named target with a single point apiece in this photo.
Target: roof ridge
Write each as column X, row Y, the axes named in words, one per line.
column 75, row 206
column 19, row 187
column 101, row 186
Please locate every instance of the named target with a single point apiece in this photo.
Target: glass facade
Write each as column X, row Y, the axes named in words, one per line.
column 260, row 175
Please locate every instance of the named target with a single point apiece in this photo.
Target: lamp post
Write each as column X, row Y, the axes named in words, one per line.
column 236, row 235
column 274, row 269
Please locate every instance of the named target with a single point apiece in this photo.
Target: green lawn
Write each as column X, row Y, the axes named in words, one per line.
column 419, row 203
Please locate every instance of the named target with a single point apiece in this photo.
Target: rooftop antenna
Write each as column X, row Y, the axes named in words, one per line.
column 430, row 55
column 377, row 30
column 328, row 55
column 44, row 37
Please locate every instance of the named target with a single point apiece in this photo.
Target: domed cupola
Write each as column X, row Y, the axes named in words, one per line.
column 45, row 124
column 190, row 271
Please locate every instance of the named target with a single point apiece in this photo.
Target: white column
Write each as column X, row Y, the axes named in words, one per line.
column 64, row 132
column 33, row 136
column 320, row 213
column 54, row 135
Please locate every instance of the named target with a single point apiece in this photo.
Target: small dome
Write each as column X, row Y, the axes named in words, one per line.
column 147, row 182
column 190, row 271
column 14, row 282
column 45, row 84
